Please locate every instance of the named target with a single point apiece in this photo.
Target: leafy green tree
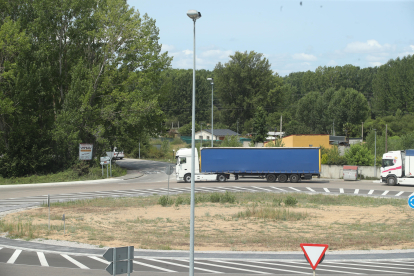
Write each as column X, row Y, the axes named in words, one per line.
column 348, row 106
column 359, row 155
column 259, row 127
column 231, row 141
column 243, row 84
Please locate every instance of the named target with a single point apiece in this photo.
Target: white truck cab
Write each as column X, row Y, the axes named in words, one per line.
column 398, row 167
column 183, row 168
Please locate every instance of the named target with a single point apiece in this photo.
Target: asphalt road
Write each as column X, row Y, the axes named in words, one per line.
column 147, row 177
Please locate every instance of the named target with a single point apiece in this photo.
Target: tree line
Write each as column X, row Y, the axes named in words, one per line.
column 92, row 71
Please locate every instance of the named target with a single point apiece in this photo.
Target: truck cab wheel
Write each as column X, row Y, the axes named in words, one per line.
column 221, row 178
column 282, row 178
column 271, row 177
column 187, row 177
column 391, row 181
column 294, row 178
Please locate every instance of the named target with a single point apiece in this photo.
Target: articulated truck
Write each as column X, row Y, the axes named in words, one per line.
column 398, row 167
column 282, row 164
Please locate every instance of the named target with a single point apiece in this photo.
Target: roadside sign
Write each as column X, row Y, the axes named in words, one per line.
column 169, row 169
column 121, row 260
column 110, row 154
column 411, row 201
column 85, row 151
column 105, row 158
column 121, row 253
column 121, row 267
column 314, row 253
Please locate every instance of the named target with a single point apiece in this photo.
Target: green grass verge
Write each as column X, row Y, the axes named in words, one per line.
column 65, row 176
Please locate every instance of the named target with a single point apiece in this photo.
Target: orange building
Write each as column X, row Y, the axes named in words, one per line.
column 307, row 140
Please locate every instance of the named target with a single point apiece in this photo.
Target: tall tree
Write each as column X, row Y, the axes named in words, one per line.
column 243, row 84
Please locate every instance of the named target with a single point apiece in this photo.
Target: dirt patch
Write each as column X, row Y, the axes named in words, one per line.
column 217, row 227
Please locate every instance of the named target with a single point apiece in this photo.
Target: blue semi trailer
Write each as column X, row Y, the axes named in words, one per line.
column 273, row 164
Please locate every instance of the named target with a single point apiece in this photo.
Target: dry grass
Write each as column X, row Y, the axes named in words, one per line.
column 254, row 221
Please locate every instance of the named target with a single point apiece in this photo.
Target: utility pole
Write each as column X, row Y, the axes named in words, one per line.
column 386, row 138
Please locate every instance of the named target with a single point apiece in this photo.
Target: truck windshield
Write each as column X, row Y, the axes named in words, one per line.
column 387, row 163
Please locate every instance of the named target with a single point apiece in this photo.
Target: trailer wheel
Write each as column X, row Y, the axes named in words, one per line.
column 282, row 178
column 187, row 177
column 391, row 181
column 271, row 177
column 221, row 178
column 294, row 178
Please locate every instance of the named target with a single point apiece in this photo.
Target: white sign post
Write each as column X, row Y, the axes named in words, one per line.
column 105, row 161
column 111, row 155
column 85, row 151
column 314, row 253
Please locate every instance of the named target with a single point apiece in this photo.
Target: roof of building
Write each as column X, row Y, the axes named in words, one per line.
column 222, row 132
column 306, row 135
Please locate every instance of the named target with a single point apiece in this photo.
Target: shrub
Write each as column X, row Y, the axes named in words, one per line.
column 165, row 201
column 215, row 197
column 359, row 155
column 290, row 201
column 227, row 197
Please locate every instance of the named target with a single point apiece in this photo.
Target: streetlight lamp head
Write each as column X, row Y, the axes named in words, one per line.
column 193, row 14
column 211, row 80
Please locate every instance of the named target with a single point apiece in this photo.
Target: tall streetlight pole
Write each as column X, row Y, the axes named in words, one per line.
column 194, row 15
column 212, row 84
column 375, row 154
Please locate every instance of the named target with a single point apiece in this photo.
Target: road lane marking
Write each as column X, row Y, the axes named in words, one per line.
column 278, row 189
column 262, row 189
column 356, row 191
column 341, row 190
column 99, row 259
column 42, row 259
column 385, row 193
column 400, row 193
column 14, row 257
column 310, row 189
column 370, row 269
column 323, row 268
column 411, row 194
column 326, row 190
column 370, row 192
column 384, row 265
column 272, row 268
column 230, row 267
column 300, row 267
column 295, row 189
column 73, row 261
column 181, row 265
column 153, row 266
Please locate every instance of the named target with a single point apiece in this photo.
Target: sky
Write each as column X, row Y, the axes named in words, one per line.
column 295, row 36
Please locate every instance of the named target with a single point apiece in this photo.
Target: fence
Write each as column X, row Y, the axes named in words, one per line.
column 336, row 172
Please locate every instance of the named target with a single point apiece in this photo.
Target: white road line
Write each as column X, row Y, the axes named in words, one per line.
column 370, row 269
column 310, row 189
column 278, row 189
column 400, row 193
column 326, row 190
column 262, row 189
column 370, row 192
column 384, row 265
column 385, row 193
column 323, row 268
column 153, row 266
column 303, row 263
column 99, row 259
column 356, row 191
column 295, row 189
column 14, row 257
column 341, row 190
column 245, row 189
column 42, row 259
column 186, row 266
column 73, row 261
column 273, row 268
column 198, row 267
column 230, row 267
column 411, row 194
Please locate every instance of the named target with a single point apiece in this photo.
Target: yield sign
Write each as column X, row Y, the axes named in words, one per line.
column 314, row 252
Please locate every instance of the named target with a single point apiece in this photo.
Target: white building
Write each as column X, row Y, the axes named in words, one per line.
column 218, row 134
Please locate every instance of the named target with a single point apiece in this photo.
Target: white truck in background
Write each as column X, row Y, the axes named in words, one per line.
column 398, row 167
column 118, row 154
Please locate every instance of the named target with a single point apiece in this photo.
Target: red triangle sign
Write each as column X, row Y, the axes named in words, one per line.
column 314, row 253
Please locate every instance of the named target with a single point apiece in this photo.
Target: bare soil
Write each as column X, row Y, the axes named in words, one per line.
column 216, row 227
